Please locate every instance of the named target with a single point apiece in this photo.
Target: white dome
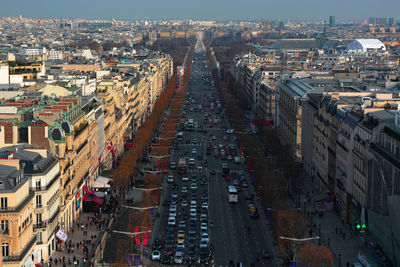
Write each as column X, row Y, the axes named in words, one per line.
column 366, row 44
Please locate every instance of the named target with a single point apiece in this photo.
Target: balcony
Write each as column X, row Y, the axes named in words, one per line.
column 44, row 188
column 20, row 206
column 20, row 257
column 39, row 225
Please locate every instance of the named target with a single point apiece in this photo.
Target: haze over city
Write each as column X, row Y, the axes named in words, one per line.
column 306, row 10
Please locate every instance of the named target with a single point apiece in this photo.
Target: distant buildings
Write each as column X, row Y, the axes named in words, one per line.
column 332, row 21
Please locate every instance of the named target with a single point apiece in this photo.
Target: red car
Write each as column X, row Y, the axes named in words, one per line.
column 213, row 172
column 227, row 177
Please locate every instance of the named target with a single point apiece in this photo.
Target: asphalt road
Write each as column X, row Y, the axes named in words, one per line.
column 235, row 235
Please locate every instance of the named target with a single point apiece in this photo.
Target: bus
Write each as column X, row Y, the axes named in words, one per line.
column 232, row 194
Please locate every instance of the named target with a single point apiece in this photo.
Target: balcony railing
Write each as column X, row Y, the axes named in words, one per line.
column 40, row 225
column 21, row 256
column 44, row 188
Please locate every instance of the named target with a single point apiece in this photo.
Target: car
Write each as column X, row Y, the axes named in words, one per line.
column 185, row 179
column 193, row 186
column 235, row 182
column 157, row 244
column 204, row 205
column 203, row 182
column 213, row 172
column 266, row 254
column 203, row 227
column 155, row 255
column 180, row 238
column 171, row 221
column 193, row 213
column 192, row 231
column 203, row 243
column 214, row 137
column 250, row 196
column 178, row 259
column 184, row 204
column 174, row 195
column 166, row 259
column 194, row 151
column 229, row 157
column 227, row 177
column 203, row 217
column 204, row 236
column 194, row 141
column 184, row 189
column 180, row 246
column 172, row 165
column 245, row 184
column 170, row 179
column 200, row 167
column 230, row 131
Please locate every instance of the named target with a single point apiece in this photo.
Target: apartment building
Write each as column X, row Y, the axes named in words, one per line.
column 384, row 187
column 289, row 95
column 17, row 205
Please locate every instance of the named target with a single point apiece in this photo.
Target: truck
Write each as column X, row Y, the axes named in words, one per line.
column 182, row 165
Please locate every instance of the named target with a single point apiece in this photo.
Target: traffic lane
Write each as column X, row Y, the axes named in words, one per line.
column 222, row 233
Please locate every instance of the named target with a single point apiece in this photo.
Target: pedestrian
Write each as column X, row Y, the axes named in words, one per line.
column 344, row 236
column 72, row 230
column 336, row 230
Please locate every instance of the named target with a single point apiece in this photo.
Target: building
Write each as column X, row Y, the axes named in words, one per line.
column 43, row 172
column 365, row 45
column 289, row 94
column 332, row 21
column 16, row 213
column 4, row 74
column 384, row 188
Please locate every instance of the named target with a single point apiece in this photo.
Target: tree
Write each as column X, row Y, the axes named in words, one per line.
column 289, row 224
column 314, row 256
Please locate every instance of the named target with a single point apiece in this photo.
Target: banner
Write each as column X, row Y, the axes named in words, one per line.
column 146, row 237
column 137, row 236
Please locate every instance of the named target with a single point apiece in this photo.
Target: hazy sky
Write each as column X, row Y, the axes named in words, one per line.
column 202, row 9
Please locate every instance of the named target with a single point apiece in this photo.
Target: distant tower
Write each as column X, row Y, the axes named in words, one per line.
column 332, row 21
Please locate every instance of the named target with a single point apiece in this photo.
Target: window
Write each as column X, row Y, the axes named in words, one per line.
column 3, row 203
column 4, row 226
column 39, row 201
column 57, row 151
column 5, row 249
column 39, row 237
column 38, row 218
column 38, row 184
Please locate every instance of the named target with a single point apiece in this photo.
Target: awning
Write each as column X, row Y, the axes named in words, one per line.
column 61, row 235
column 101, row 182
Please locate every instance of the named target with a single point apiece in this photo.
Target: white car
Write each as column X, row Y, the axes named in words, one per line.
column 203, row 243
column 204, row 205
column 155, row 255
column 170, row 179
column 171, row 221
column 194, row 151
column 200, row 167
column 203, row 227
column 193, row 213
column 230, row 131
column 178, row 259
column 185, row 179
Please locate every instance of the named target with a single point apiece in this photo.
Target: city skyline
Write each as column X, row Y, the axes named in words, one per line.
column 204, row 10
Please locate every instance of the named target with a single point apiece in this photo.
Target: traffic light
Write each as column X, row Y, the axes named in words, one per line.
column 361, row 227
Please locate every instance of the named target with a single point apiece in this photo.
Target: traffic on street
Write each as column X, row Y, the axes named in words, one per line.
column 209, row 213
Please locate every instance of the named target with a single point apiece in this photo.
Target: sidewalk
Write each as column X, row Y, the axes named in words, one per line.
column 343, row 243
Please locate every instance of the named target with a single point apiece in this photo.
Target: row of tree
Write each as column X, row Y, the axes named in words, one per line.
column 273, row 186
column 159, row 149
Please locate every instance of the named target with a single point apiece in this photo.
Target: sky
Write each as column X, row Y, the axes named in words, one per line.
column 295, row 10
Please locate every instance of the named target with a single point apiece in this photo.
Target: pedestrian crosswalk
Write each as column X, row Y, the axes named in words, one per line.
column 231, row 171
column 187, row 145
column 194, row 170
